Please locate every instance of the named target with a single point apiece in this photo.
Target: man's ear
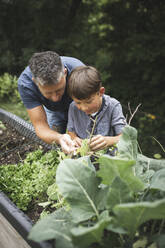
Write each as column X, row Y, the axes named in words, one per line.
column 65, row 71
column 33, row 79
column 102, row 91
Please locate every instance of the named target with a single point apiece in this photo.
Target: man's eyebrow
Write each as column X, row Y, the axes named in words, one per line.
column 59, row 89
column 47, row 92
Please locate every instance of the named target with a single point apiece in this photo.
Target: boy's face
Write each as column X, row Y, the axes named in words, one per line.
column 92, row 104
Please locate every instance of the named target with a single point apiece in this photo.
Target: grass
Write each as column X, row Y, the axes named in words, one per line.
column 15, row 108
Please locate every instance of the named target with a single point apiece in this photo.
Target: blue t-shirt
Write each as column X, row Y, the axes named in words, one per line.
column 31, row 95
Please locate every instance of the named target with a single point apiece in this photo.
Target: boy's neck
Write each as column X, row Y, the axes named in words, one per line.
column 100, row 109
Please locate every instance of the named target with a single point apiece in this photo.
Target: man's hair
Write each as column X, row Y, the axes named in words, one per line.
column 46, row 67
column 84, row 81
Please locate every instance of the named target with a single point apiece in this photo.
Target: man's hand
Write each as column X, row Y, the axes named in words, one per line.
column 66, row 143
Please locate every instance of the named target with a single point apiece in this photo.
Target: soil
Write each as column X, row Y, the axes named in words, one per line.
column 13, row 146
column 13, row 149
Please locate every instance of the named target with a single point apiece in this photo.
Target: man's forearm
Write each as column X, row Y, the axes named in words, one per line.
column 48, row 135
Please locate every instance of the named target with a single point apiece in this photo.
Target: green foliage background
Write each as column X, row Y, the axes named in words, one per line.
column 124, row 39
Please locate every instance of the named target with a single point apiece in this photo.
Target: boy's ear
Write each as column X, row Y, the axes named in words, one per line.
column 102, row 91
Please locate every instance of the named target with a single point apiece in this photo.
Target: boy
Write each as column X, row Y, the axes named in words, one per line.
column 90, row 102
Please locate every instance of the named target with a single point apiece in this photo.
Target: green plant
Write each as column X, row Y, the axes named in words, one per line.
column 108, row 207
column 2, row 126
column 29, row 180
column 9, row 88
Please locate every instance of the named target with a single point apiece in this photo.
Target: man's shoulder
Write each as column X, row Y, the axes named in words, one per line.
column 70, row 62
column 67, row 59
column 25, row 75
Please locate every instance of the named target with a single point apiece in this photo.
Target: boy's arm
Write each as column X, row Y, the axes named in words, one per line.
column 100, row 142
column 118, row 121
column 75, row 138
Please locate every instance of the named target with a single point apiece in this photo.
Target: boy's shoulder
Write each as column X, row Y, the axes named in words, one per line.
column 73, row 107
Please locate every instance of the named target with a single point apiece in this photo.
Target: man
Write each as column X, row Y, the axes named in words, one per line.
column 43, row 89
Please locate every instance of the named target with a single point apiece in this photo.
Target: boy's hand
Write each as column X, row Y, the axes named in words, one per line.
column 77, row 141
column 98, row 142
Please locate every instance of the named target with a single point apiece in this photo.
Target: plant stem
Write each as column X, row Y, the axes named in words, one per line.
column 132, row 114
column 161, row 226
column 159, row 144
column 153, row 226
column 93, row 128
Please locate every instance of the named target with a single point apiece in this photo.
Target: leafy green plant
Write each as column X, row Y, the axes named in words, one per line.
column 29, row 180
column 108, row 207
column 2, row 126
column 9, row 88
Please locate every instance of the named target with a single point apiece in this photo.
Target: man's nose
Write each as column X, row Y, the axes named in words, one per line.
column 55, row 97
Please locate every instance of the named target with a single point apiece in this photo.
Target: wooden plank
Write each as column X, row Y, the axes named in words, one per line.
column 9, row 237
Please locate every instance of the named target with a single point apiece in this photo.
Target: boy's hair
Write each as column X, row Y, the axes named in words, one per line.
column 46, row 67
column 84, row 81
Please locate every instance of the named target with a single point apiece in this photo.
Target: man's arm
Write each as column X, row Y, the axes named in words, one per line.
column 43, row 131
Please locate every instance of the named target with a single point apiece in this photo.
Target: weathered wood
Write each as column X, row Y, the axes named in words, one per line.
column 9, row 237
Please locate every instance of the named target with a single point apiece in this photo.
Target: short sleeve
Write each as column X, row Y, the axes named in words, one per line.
column 28, row 98
column 70, row 124
column 118, row 120
column 28, row 90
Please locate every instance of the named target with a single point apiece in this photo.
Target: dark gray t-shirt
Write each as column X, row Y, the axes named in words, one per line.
column 110, row 120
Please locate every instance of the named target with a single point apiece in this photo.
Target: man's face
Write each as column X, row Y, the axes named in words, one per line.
column 54, row 92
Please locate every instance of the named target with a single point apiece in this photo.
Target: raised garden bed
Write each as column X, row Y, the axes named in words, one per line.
column 121, row 204
column 17, row 139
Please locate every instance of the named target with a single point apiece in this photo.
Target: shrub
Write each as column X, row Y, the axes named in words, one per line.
column 9, row 89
